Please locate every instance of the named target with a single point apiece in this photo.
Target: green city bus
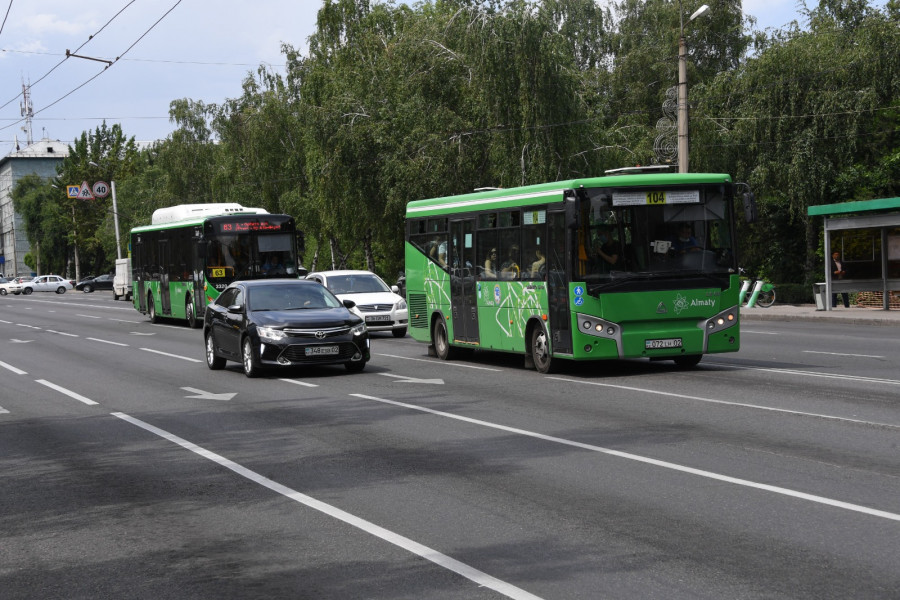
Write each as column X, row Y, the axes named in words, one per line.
column 630, row 265
column 190, row 252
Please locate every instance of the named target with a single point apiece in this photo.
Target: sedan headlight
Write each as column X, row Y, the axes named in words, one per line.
column 358, row 329
column 271, row 334
column 401, row 305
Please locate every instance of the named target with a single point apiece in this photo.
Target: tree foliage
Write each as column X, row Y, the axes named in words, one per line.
column 395, row 102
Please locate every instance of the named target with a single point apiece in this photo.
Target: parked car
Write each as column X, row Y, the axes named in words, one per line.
column 381, row 306
column 281, row 323
column 44, row 283
column 100, row 282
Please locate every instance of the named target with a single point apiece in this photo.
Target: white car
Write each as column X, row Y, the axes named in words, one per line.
column 381, row 306
column 6, row 285
column 45, row 283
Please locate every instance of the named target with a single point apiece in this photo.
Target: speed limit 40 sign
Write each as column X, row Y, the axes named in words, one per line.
column 100, row 189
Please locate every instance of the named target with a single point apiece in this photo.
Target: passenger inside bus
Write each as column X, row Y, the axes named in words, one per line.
column 510, row 267
column 490, row 264
column 605, row 254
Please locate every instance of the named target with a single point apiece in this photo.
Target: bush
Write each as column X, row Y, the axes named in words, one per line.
column 794, row 293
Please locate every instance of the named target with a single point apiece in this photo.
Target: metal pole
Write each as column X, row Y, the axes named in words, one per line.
column 682, row 106
column 112, row 185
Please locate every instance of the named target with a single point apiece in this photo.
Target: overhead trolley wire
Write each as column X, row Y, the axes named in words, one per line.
column 66, row 95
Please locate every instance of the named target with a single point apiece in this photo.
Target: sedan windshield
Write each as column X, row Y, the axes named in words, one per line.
column 356, row 284
column 292, row 297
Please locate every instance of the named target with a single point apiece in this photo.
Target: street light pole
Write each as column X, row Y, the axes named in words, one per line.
column 112, row 185
column 682, row 89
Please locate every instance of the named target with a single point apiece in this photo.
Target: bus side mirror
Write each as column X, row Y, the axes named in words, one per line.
column 749, row 201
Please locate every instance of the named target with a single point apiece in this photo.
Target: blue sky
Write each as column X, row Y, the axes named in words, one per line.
column 167, row 49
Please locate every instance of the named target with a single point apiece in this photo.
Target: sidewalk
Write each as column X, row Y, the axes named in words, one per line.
column 808, row 312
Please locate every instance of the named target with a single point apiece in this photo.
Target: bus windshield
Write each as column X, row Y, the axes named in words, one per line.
column 622, row 237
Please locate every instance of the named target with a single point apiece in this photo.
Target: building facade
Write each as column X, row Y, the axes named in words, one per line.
column 40, row 158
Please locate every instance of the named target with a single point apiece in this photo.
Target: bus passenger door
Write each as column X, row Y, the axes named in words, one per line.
column 463, row 293
column 558, row 284
column 164, row 262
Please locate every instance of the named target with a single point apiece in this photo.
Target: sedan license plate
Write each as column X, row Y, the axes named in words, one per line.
column 666, row 343
column 371, row 318
column 321, row 350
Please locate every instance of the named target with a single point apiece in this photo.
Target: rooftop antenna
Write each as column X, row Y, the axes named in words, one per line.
column 27, row 111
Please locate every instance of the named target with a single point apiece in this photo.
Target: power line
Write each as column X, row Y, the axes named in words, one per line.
column 66, row 95
column 8, row 8
column 153, row 60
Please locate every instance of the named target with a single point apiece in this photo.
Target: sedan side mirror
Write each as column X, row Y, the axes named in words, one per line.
column 349, row 303
column 235, row 309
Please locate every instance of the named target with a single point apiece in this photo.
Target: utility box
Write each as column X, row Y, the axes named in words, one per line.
column 819, row 294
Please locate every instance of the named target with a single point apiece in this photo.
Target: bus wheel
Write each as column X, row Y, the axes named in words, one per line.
column 193, row 323
column 688, row 360
column 151, row 309
column 540, row 351
column 441, row 341
column 247, row 359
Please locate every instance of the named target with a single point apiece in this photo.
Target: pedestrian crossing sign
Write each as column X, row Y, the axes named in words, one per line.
column 85, row 192
column 73, row 191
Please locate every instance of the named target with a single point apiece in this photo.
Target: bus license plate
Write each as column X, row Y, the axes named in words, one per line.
column 667, row 343
column 321, row 350
column 371, row 318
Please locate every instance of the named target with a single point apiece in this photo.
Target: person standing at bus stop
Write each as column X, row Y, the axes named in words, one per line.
column 838, row 272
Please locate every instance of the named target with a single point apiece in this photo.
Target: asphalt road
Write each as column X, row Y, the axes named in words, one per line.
column 129, row 470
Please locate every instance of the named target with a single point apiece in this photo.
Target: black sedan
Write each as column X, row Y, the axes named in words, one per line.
column 282, row 323
column 100, row 282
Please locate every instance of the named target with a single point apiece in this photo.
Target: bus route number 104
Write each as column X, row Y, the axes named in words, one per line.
column 656, row 197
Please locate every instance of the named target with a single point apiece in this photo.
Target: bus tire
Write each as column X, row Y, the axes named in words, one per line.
column 687, row 361
column 191, row 315
column 540, row 351
column 441, row 340
column 151, row 309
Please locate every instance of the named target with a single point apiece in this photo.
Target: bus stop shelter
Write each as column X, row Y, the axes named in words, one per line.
column 867, row 235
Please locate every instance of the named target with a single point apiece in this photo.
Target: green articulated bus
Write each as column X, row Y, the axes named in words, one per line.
column 190, row 252
column 631, row 265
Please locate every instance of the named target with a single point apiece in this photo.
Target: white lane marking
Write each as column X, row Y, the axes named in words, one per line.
column 106, row 342
column 442, row 560
column 650, row 461
column 9, row 367
column 759, row 332
column 28, row 326
column 808, row 373
column 3, row 411
column 61, row 333
column 443, row 363
column 125, row 321
column 18, row 341
column 204, row 395
column 303, row 383
column 725, row 402
column 68, row 393
column 171, row 355
column 88, row 316
column 843, row 354
column 406, row 379
column 7, row 322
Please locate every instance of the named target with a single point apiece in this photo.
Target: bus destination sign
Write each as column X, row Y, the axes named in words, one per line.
column 249, row 226
column 656, row 197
